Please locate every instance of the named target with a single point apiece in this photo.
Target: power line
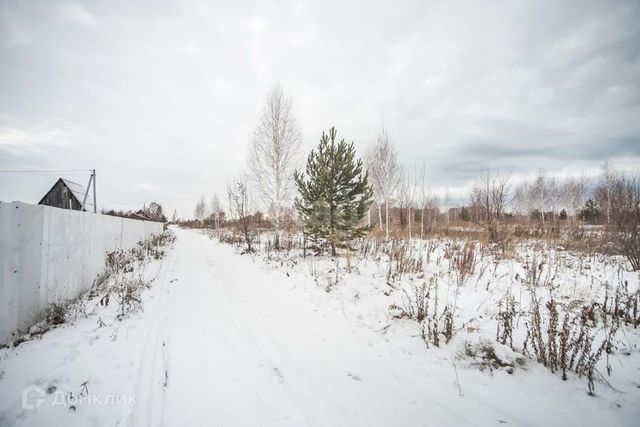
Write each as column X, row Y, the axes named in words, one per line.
column 48, row 171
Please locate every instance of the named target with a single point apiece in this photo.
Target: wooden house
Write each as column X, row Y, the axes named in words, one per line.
column 65, row 194
column 139, row 215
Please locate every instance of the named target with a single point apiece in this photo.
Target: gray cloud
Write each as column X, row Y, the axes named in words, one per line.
column 161, row 97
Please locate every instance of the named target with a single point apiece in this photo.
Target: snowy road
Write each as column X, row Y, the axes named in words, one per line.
column 240, row 348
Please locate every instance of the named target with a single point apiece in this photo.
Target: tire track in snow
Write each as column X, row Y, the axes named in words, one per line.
column 152, row 364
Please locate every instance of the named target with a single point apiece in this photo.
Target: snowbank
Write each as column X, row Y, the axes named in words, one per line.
column 49, row 255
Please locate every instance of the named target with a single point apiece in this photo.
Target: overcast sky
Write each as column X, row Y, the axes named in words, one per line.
column 161, row 96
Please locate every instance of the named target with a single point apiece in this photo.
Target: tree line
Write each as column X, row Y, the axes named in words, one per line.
column 333, row 194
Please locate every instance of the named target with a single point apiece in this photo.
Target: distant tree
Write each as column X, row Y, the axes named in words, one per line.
column 118, row 213
column 464, row 214
column 274, row 150
column 590, row 214
column 535, row 215
column 154, row 212
column 541, row 194
column 407, row 194
column 624, row 217
column 522, row 199
column 432, row 206
column 241, row 210
column 573, row 192
column 200, row 211
column 609, row 177
column 489, row 199
column 385, row 173
column 174, row 217
column 216, row 210
column 422, row 195
column 334, row 193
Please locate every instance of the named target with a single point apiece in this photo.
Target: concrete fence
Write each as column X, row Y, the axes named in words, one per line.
column 51, row 255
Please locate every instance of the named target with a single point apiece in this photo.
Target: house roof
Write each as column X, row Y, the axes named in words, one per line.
column 139, row 215
column 76, row 189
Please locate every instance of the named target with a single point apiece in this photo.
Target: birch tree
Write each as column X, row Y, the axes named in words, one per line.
column 273, row 154
column 606, row 185
column 422, row 196
column 489, row 196
column 216, row 209
column 241, row 210
column 407, row 193
column 523, row 199
column 540, row 194
column 200, row 211
column 384, row 173
column 574, row 190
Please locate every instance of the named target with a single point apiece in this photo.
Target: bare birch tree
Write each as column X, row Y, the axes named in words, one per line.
column 523, row 202
column 241, row 210
column 423, row 196
column 407, row 194
column 274, row 151
column 200, row 211
column 573, row 192
column 384, row 173
column 489, row 196
column 216, row 210
column 540, row 194
column 608, row 180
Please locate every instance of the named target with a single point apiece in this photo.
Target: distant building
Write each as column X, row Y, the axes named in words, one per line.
column 140, row 215
column 65, row 194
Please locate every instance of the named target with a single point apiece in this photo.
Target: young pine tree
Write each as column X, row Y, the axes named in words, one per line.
column 334, row 194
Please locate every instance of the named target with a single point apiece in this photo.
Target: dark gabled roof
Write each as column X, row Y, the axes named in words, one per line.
column 141, row 215
column 75, row 189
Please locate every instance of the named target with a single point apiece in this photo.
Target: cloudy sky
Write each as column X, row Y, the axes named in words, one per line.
column 161, row 96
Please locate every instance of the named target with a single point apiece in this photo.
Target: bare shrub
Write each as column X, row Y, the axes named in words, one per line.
column 56, row 313
column 573, row 346
column 540, row 271
column 622, row 306
column 422, row 306
column 129, row 295
column 463, row 261
column 156, row 246
column 128, row 290
column 119, row 261
column 506, row 317
column 403, row 259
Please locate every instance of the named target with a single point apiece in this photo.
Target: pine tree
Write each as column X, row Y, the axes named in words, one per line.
column 334, row 194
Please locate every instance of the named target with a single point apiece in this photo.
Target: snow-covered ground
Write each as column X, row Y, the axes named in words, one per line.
column 229, row 339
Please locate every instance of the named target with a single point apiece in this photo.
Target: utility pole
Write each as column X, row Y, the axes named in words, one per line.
column 92, row 182
column 95, row 203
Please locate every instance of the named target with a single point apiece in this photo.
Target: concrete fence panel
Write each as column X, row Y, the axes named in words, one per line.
column 52, row 255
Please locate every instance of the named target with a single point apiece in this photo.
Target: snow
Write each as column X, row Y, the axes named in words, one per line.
column 229, row 339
